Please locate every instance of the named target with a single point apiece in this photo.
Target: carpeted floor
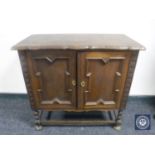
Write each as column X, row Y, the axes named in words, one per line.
column 16, row 118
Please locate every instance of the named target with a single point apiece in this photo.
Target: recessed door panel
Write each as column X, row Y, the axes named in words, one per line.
column 54, row 73
column 101, row 78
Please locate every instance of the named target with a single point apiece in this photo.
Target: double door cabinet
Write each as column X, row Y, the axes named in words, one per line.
column 63, row 74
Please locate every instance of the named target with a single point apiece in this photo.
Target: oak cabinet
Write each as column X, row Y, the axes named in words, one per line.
column 78, row 73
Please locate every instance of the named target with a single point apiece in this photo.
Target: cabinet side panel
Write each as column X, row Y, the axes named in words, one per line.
column 128, row 82
column 24, row 64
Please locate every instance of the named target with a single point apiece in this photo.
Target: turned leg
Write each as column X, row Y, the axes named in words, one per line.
column 118, row 125
column 37, row 115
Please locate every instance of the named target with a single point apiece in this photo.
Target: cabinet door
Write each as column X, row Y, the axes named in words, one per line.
column 101, row 78
column 53, row 73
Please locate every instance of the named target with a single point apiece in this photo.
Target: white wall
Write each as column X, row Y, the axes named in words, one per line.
column 20, row 18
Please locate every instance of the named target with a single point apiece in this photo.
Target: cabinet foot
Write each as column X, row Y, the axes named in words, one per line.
column 118, row 125
column 38, row 125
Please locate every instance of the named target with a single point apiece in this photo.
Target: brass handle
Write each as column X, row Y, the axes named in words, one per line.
column 83, row 84
column 73, row 82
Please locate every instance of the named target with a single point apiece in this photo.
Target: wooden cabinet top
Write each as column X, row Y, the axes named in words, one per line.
column 78, row 41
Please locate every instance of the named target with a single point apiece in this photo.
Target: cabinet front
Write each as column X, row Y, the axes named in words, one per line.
column 101, row 77
column 53, row 72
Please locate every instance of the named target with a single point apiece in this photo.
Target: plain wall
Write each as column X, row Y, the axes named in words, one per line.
column 21, row 18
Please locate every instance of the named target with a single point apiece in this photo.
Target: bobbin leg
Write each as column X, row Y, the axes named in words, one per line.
column 118, row 125
column 37, row 115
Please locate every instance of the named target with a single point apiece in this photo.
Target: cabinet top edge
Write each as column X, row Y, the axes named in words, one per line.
column 78, row 42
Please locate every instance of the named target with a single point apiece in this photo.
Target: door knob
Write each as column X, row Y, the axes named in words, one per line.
column 73, row 82
column 83, row 83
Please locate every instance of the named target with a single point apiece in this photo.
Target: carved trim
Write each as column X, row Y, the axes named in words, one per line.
column 67, row 73
column 106, row 59
column 38, row 74
column 101, row 58
column 48, row 59
column 27, row 79
column 118, row 74
column 117, row 58
column 88, row 74
column 128, row 82
column 68, row 79
column 117, row 90
column 56, row 101
column 100, row 101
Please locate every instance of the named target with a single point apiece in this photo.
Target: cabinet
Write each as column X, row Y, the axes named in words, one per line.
column 78, row 72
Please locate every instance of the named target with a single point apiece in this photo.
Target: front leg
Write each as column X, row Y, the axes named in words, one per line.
column 118, row 125
column 37, row 115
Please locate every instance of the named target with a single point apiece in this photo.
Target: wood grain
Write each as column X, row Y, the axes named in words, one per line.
column 78, row 41
column 79, row 73
column 103, row 81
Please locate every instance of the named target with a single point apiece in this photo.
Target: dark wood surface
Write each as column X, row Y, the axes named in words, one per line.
column 78, row 41
column 54, row 73
column 88, row 80
column 104, row 75
column 68, row 79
